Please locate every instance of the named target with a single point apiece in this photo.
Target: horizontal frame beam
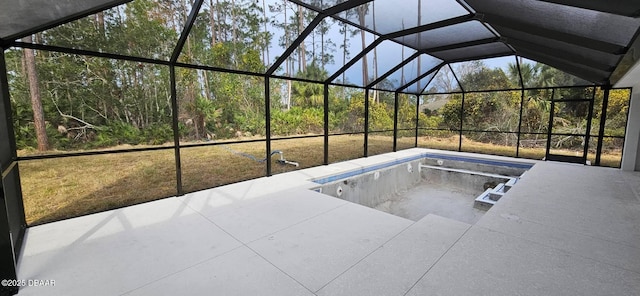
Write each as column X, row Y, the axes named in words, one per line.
column 354, row 60
column 91, row 53
column 463, row 44
column 394, row 69
column 436, row 68
column 431, row 26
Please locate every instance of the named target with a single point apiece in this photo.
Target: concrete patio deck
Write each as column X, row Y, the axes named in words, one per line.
column 563, row 230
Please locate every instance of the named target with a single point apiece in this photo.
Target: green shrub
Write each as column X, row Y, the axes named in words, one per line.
column 297, row 120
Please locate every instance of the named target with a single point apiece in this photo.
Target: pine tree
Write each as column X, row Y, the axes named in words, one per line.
column 36, row 100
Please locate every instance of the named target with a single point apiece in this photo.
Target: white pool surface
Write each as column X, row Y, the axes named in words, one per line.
column 563, row 230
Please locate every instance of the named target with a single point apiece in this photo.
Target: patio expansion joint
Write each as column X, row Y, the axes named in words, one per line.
column 246, row 245
column 299, row 222
column 278, row 268
column 382, row 245
column 439, row 258
column 366, row 256
column 285, row 228
column 564, row 250
column 181, row 270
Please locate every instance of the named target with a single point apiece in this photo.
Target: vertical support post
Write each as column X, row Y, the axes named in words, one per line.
column 12, row 220
column 326, row 124
column 461, row 121
column 521, row 105
column 550, row 126
column 588, row 131
column 603, row 119
column 7, row 256
column 8, row 144
column 395, row 122
column 366, row 122
column 176, row 130
column 267, row 123
column 461, row 108
column 415, row 144
column 520, row 123
column 174, row 94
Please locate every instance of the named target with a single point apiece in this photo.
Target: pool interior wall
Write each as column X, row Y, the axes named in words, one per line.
column 409, row 190
column 373, row 188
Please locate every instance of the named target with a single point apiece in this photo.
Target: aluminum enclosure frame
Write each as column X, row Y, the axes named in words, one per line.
column 13, row 225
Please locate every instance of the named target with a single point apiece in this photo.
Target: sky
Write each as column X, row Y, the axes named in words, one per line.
column 391, row 16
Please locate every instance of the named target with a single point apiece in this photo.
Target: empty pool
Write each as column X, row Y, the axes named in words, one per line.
column 455, row 187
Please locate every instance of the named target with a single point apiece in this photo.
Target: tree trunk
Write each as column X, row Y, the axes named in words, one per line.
column 221, row 28
column 100, row 24
column 313, row 44
column 36, row 100
column 212, row 21
column 344, row 57
column 266, row 39
column 419, row 39
column 376, row 96
column 302, row 54
column 402, row 80
column 207, row 90
column 188, row 41
column 288, row 62
column 365, row 66
column 286, row 35
column 322, row 32
column 234, row 39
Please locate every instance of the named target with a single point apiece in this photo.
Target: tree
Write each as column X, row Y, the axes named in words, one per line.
column 445, row 81
column 483, row 111
column 204, row 111
column 375, row 51
column 285, row 41
column 266, row 36
column 362, row 11
column 307, row 94
column 36, row 100
column 528, row 71
column 344, row 30
column 326, row 44
column 95, row 102
column 486, row 79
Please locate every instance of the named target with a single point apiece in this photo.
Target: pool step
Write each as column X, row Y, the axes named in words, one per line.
column 422, row 166
column 482, row 201
column 509, row 184
column 492, row 195
column 497, row 192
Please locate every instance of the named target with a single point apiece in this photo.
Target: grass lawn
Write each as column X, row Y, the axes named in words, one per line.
column 55, row 189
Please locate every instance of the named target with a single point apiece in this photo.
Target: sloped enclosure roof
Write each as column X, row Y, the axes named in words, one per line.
column 19, row 18
column 588, row 39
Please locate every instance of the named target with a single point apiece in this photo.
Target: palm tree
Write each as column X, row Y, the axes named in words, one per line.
column 546, row 75
column 528, row 71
